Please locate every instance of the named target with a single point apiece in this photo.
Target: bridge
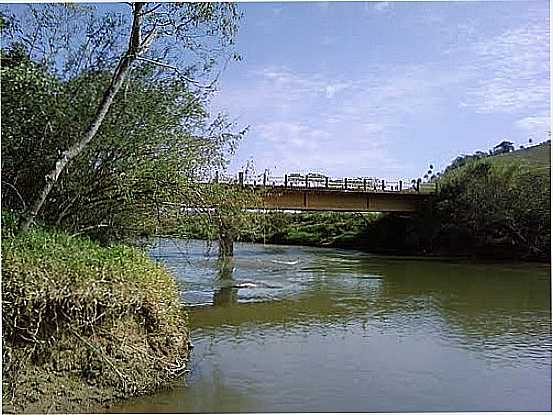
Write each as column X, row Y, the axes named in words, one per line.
column 320, row 193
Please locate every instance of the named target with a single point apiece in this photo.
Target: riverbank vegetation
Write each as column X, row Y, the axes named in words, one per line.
column 105, row 132
column 308, row 228
column 499, row 205
column 84, row 325
column 494, row 205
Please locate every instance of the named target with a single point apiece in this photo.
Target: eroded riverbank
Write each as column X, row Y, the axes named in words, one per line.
column 308, row 329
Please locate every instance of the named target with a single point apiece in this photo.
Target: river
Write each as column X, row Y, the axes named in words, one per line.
column 296, row 329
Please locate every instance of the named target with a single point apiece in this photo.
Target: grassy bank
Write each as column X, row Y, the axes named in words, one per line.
column 85, row 325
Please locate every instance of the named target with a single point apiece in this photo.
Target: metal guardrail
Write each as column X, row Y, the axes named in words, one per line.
column 319, row 182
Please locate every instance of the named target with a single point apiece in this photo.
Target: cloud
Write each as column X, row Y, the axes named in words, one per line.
column 332, row 89
column 300, row 136
column 343, row 124
column 535, row 126
column 331, row 124
column 511, row 71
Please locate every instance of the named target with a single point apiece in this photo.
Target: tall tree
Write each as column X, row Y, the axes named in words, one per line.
column 182, row 40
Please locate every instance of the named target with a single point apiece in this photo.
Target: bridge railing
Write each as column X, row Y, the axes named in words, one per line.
column 363, row 184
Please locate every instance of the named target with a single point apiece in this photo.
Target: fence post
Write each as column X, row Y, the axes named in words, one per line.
column 264, row 178
column 383, row 185
column 241, row 178
column 418, row 185
column 436, row 186
column 364, row 185
column 306, row 181
column 285, row 181
column 216, row 177
column 400, row 185
column 326, row 182
column 345, row 183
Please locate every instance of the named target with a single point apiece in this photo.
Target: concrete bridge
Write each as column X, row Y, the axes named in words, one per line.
column 321, row 193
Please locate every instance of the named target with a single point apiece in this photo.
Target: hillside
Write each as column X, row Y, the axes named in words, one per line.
column 538, row 156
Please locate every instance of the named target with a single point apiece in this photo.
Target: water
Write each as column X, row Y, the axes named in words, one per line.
column 296, row 329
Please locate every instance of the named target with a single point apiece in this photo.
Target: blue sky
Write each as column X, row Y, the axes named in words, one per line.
column 385, row 88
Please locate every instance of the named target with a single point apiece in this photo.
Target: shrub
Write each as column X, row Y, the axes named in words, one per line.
column 79, row 318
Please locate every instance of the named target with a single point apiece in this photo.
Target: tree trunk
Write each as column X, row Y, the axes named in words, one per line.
column 117, row 80
column 226, row 245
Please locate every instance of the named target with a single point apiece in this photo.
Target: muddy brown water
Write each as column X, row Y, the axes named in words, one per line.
column 301, row 329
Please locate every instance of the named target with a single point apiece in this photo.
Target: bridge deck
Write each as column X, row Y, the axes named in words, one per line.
column 345, row 201
column 320, row 193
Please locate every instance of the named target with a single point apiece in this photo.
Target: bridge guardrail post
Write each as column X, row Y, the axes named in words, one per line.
column 418, row 185
column 364, row 185
column 383, row 185
column 345, row 183
column 326, row 182
column 285, row 181
column 400, row 185
column 306, row 181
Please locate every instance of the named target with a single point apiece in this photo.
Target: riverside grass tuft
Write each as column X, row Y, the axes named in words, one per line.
column 85, row 325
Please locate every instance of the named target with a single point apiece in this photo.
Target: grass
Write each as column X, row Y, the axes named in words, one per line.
column 537, row 157
column 83, row 324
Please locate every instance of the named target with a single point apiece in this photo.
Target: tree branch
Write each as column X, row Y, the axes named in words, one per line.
column 178, row 72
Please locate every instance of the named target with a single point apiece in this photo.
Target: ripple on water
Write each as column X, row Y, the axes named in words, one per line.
column 306, row 329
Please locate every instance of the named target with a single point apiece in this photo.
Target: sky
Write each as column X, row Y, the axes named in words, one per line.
column 383, row 89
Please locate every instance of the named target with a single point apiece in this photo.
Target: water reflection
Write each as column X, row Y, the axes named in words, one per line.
column 295, row 329
column 225, row 292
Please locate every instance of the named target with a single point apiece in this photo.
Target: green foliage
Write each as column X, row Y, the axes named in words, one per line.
column 58, row 63
column 29, row 113
column 156, row 139
column 308, row 228
column 74, row 310
column 325, row 229
column 210, row 209
column 503, row 208
column 462, row 160
column 72, row 39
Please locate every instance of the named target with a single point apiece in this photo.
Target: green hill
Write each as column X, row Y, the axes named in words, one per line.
column 538, row 156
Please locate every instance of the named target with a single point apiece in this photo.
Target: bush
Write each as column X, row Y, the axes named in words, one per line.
column 504, row 208
column 84, row 322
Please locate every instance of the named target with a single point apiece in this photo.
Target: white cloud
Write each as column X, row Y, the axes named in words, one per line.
column 333, row 88
column 535, row 126
column 511, row 71
column 301, row 136
column 304, row 119
column 301, row 120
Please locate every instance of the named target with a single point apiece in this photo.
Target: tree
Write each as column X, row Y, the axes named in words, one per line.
column 224, row 210
column 497, row 207
column 121, row 180
column 151, row 35
column 504, row 147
